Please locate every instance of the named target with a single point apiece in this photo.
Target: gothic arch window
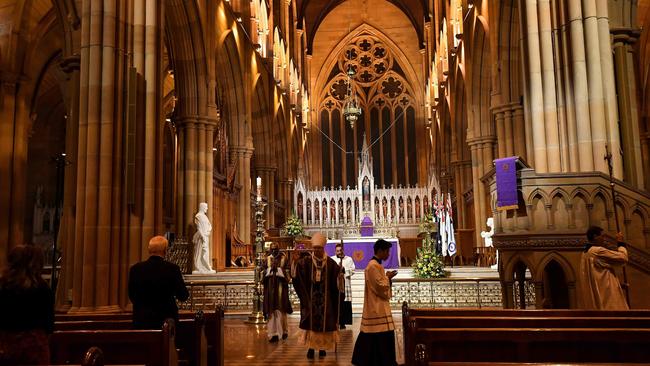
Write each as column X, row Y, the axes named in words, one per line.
column 388, row 119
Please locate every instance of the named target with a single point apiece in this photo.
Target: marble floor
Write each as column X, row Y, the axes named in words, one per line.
column 248, row 345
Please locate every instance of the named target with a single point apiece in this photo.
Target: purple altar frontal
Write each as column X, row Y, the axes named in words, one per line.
column 361, row 251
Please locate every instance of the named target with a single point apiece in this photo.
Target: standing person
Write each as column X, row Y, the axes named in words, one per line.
column 599, row 287
column 315, row 281
column 347, row 268
column 26, row 309
column 376, row 341
column 154, row 287
column 276, row 294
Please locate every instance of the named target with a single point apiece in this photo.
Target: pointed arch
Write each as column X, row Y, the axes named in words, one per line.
column 231, row 85
column 186, row 47
column 570, row 274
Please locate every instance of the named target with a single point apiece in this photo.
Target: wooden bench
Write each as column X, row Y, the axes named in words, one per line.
column 191, row 338
column 120, row 347
column 473, row 335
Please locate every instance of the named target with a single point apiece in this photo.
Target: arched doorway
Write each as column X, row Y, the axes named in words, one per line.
column 556, row 290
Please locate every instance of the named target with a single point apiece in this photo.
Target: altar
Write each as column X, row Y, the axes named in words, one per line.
column 361, row 251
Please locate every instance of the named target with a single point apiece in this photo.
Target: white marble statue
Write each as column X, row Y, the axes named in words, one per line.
column 487, row 235
column 487, row 238
column 201, row 241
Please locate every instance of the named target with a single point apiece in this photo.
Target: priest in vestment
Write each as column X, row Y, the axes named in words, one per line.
column 315, row 279
column 598, row 286
column 276, row 294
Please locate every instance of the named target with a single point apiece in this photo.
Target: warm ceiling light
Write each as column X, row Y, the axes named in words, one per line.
column 214, row 149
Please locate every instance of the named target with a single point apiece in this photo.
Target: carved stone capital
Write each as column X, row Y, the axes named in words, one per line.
column 625, row 36
column 241, row 151
column 70, row 64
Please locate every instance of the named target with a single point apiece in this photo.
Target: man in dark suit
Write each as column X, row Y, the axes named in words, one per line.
column 154, row 287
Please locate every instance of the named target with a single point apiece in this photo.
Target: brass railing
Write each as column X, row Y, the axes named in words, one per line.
column 447, row 292
column 237, row 296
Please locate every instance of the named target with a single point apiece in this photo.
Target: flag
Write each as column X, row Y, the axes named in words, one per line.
column 436, row 217
column 451, row 240
column 443, row 227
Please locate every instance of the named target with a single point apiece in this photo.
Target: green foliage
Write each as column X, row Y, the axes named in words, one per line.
column 293, row 226
column 427, row 263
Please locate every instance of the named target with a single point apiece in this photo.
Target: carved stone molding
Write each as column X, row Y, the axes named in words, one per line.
column 507, row 242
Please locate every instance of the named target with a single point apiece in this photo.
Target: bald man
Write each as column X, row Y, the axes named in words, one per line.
column 315, row 279
column 154, row 287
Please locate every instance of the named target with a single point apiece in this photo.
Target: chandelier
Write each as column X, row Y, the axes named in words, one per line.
column 351, row 108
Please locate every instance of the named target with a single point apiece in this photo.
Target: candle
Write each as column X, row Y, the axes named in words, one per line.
column 259, row 189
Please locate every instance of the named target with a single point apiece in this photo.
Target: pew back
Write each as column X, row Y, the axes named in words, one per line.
column 535, row 345
column 187, row 335
column 475, row 335
column 120, row 347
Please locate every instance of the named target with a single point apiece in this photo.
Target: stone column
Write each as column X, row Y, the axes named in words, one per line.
column 609, row 87
column 482, row 157
column 580, row 88
column 268, row 189
column 624, row 40
column 8, row 88
column 548, row 82
column 509, row 141
column 242, row 157
column 286, row 196
column 519, row 127
column 535, row 88
column 598, row 112
column 70, row 66
column 109, row 228
column 501, row 133
column 196, row 162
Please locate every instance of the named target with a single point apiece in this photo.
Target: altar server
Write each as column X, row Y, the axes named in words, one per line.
column 347, row 269
column 598, row 286
column 276, row 293
column 375, row 345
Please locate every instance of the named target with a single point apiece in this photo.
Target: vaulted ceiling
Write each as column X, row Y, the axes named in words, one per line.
column 314, row 11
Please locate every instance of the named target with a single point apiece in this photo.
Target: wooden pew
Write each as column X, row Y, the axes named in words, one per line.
column 414, row 312
column 187, row 332
column 190, row 337
column 535, row 345
column 525, row 335
column 120, row 347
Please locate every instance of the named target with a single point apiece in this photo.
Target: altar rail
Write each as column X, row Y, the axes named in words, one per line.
column 237, row 296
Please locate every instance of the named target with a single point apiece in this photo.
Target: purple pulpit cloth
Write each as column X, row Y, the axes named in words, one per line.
column 361, row 251
column 506, row 176
column 367, row 229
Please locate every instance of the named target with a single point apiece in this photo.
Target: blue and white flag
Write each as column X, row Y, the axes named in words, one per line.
column 451, row 240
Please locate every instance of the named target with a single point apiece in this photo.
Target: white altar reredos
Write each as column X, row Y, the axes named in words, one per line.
column 338, row 212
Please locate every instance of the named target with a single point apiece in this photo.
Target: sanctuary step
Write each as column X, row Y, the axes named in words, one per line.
column 486, row 275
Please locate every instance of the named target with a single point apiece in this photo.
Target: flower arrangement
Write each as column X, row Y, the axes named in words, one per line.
column 428, row 264
column 293, row 226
